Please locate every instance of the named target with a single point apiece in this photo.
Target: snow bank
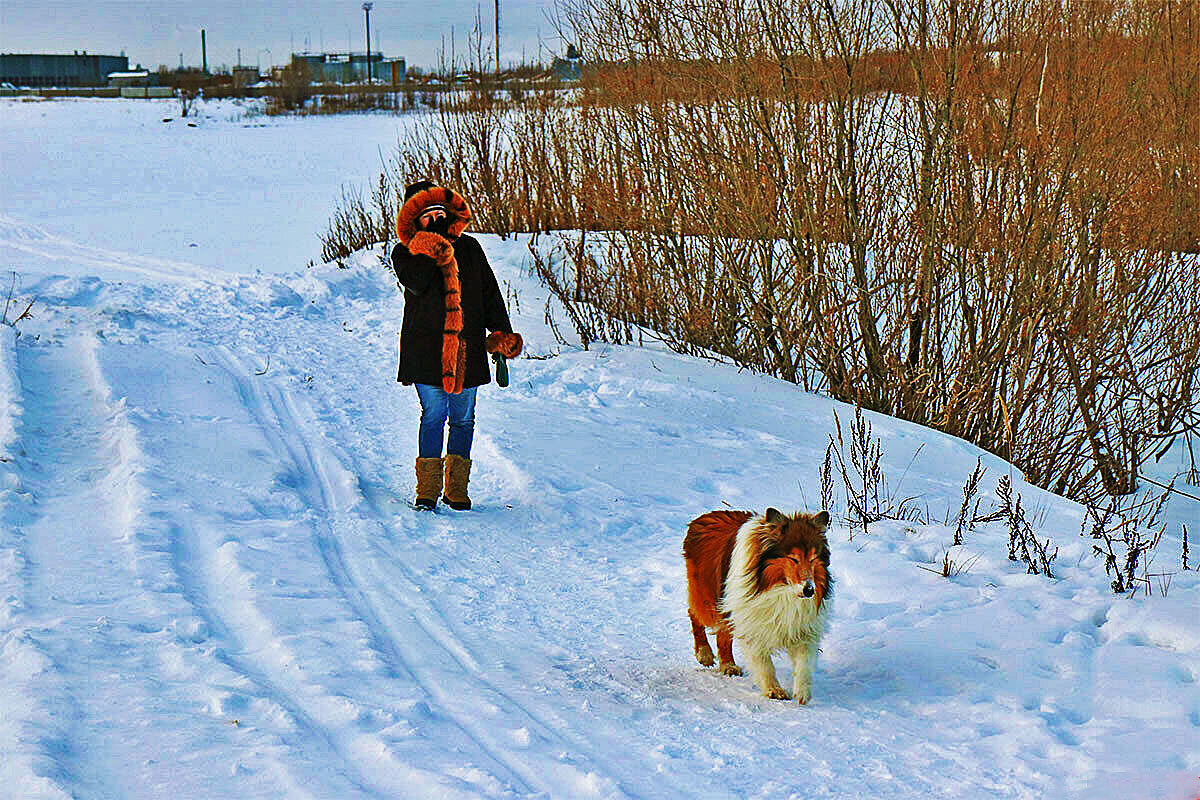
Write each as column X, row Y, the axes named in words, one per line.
column 9, row 391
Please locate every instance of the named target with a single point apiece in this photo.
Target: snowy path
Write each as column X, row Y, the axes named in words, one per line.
column 80, row 478
column 260, row 556
column 98, row 613
column 372, row 552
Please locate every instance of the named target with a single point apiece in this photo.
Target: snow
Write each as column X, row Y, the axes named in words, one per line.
column 85, row 179
column 212, row 584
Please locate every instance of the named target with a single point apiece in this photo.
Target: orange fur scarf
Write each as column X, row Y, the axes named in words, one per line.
column 440, row 249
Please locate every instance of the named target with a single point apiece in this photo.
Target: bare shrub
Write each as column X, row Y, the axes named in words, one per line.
column 1023, row 543
column 570, row 287
column 1185, row 547
column 466, row 150
column 970, row 492
column 295, row 89
column 1124, row 529
column 951, row 568
column 827, row 479
column 868, row 496
column 28, row 312
column 353, row 102
column 187, row 99
column 1192, row 476
column 360, row 222
column 980, row 216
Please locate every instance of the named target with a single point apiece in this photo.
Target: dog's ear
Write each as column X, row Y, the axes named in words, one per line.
column 765, row 535
column 821, row 520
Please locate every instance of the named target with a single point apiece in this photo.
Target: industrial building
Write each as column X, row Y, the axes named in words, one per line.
column 245, row 76
column 351, row 67
column 42, row 71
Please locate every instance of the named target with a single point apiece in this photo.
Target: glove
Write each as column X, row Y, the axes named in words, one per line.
column 430, row 244
column 508, row 345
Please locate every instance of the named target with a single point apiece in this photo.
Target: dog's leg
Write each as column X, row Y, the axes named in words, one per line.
column 704, row 653
column 764, row 675
column 804, row 663
column 725, row 652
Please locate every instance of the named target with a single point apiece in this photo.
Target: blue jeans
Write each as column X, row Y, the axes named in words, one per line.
column 438, row 405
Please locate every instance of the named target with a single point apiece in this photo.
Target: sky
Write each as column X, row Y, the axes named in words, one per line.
column 266, row 31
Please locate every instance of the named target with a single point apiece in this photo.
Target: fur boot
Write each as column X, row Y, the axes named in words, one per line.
column 429, row 481
column 458, row 472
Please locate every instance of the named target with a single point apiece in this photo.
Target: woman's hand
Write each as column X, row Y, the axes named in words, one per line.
column 430, row 244
column 508, row 345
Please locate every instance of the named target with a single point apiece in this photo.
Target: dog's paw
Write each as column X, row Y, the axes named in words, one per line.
column 705, row 656
column 731, row 669
column 777, row 693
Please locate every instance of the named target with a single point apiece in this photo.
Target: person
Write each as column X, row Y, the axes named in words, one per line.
column 450, row 298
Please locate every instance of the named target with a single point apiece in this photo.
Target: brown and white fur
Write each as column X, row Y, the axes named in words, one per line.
column 764, row 580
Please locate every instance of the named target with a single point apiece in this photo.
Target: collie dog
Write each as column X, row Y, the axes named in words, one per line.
column 765, row 580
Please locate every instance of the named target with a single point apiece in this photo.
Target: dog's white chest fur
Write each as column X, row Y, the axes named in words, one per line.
column 776, row 619
column 772, row 620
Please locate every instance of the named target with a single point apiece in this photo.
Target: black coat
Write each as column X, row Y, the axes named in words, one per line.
column 425, row 312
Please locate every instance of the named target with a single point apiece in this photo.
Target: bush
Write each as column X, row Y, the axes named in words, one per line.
column 975, row 218
column 359, row 223
column 991, row 253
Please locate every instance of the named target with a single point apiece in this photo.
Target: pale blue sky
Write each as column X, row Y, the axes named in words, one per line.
column 154, row 33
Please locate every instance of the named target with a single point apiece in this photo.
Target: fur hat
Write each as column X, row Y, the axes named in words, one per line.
column 420, row 197
column 419, row 186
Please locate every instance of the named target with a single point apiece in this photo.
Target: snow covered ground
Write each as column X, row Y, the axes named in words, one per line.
column 107, row 187
column 212, row 584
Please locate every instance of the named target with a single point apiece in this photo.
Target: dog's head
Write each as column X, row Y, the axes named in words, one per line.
column 792, row 552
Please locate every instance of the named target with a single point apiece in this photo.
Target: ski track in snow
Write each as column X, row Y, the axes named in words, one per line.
column 94, row 620
column 211, row 582
column 456, row 681
column 328, row 490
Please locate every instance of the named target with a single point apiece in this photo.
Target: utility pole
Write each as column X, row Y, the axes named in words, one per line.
column 367, row 11
column 204, row 51
column 497, row 38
